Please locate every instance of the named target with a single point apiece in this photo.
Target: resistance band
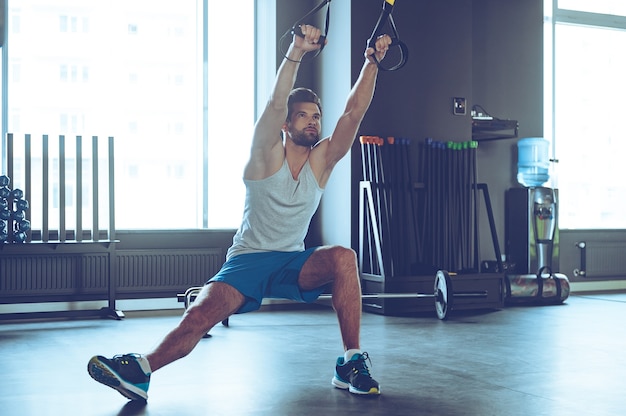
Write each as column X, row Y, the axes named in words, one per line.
column 295, row 29
column 385, row 16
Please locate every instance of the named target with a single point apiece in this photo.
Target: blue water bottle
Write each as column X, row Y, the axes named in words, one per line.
column 533, row 161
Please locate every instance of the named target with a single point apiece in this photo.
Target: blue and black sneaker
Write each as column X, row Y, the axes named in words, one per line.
column 355, row 376
column 129, row 374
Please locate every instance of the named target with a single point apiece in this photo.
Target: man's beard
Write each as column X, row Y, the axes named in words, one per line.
column 302, row 138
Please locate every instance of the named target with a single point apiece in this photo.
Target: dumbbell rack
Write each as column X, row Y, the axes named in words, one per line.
column 61, row 265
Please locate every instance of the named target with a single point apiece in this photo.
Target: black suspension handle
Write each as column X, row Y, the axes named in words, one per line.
column 298, row 32
column 386, row 16
column 295, row 29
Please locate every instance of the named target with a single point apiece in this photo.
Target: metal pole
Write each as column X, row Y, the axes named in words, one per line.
column 79, row 189
column 62, row 235
column 45, row 232
column 94, row 185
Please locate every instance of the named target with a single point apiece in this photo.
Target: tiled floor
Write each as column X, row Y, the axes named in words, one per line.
column 549, row 360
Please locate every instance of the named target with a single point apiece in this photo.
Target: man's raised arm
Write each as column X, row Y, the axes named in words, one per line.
column 267, row 151
column 357, row 104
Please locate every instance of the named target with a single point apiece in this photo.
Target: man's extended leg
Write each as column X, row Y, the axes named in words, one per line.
column 215, row 302
column 130, row 373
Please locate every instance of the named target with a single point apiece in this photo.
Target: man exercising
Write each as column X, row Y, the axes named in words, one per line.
column 285, row 178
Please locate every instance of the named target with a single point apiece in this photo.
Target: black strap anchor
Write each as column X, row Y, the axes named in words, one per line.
column 295, row 29
column 385, row 16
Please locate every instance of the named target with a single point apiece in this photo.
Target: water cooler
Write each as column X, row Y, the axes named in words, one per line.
column 531, row 218
column 532, row 232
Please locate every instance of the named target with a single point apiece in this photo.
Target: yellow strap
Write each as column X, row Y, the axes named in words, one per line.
column 390, row 1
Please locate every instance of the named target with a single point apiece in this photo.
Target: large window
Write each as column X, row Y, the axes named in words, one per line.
column 585, row 90
column 173, row 82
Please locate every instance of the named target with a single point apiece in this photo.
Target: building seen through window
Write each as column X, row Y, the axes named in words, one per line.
column 137, row 70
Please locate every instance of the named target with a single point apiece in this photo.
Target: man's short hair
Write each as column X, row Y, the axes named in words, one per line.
column 302, row 95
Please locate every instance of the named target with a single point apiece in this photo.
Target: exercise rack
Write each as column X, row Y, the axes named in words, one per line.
column 61, row 265
column 409, row 229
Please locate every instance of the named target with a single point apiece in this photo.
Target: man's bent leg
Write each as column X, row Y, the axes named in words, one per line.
column 337, row 265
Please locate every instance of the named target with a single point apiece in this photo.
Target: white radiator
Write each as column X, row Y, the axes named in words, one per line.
column 602, row 259
column 157, row 270
column 35, row 277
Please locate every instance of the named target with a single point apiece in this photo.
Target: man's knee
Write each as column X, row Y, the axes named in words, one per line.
column 216, row 302
column 326, row 264
column 342, row 258
column 345, row 254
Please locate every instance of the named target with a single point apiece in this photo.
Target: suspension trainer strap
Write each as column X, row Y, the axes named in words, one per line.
column 295, row 29
column 386, row 16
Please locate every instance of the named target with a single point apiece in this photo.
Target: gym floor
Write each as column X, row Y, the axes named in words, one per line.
column 540, row 360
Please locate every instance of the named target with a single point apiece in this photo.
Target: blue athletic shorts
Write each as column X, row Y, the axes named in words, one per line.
column 267, row 275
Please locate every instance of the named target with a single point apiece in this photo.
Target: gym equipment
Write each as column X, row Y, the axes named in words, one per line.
column 408, row 230
column 19, row 237
column 296, row 26
column 13, row 222
column 17, row 194
column 443, row 295
column 23, row 225
column 543, row 288
column 5, row 214
column 21, row 204
column 17, row 216
column 385, row 16
column 430, row 222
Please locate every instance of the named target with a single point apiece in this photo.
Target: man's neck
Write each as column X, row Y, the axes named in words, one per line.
column 296, row 156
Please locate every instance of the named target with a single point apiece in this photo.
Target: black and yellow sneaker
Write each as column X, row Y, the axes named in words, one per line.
column 129, row 374
column 354, row 375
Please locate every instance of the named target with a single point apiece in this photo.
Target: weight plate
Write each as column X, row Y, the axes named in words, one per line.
column 443, row 294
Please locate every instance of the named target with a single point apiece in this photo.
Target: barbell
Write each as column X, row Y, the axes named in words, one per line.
column 443, row 295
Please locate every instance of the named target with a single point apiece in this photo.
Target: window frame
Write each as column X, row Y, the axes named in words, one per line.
column 264, row 57
column 553, row 16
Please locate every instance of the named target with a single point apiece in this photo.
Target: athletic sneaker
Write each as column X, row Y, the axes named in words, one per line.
column 355, row 376
column 129, row 374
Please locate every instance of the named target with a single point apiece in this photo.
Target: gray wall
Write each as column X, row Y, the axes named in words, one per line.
column 507, row 68
column 488, row 51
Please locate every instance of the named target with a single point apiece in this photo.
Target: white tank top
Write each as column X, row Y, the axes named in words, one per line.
column 277, row 212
